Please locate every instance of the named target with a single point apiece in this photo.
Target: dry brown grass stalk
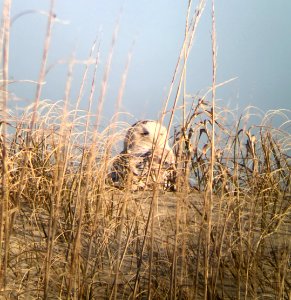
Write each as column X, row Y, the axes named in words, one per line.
column 5, row 189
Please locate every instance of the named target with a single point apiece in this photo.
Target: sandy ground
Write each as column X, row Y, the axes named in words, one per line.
column 133, row 241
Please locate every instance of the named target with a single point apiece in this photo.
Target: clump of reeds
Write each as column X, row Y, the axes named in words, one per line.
column 68, row 227
column 252, row 182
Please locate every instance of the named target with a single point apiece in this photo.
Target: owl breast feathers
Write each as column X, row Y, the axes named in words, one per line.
column 145, row 151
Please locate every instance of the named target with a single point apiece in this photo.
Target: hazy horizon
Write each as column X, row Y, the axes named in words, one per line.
column 252, row 43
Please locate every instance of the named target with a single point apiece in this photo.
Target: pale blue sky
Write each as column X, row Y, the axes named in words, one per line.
column 253, row 38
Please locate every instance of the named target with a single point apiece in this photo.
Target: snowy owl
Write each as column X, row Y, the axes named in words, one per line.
column 141, row 157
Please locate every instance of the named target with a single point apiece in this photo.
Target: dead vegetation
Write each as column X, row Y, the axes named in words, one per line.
column 71, row 235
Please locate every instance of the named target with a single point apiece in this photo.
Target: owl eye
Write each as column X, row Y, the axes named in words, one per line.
column 145, row 133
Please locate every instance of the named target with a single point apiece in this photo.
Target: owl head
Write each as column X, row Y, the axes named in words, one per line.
column 144, row 135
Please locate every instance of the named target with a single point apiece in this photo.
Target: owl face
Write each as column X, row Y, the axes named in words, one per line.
column 143, row 135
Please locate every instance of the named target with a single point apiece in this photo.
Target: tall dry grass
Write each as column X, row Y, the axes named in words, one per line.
column 66, row 233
